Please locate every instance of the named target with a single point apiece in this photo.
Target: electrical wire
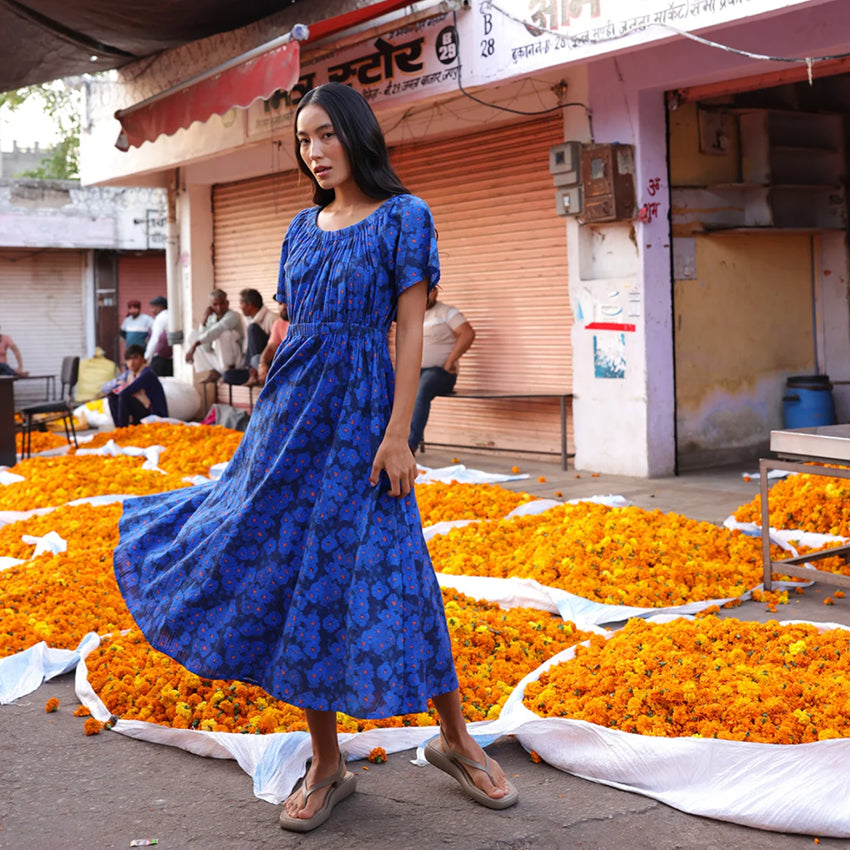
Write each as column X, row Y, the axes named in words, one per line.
column 551, row 109
column 578, row 42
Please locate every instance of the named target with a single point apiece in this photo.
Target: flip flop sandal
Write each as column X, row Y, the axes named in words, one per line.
column 442, row 756
column 341, row 785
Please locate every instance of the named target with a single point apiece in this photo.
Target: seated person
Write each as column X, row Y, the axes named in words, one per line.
column 279, row 329
column 217, row 344
column 446, row 335
column 136, row 393
column 8, row 344
column 257, row 330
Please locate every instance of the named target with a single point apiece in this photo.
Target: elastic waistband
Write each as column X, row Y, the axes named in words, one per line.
column 305, row 329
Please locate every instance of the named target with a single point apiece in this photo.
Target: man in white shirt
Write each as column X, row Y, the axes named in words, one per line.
column 158, row 352
column 446, row 335
column 217, row 344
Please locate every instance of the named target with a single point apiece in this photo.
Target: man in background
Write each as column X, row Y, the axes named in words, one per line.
column 158, row 352
column 446, row 335
column 136, row 325
column 8, row 344
column 260, row 322
column 279, row 329
column 217, row 344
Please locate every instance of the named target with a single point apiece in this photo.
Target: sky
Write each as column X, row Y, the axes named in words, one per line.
column 26, row 125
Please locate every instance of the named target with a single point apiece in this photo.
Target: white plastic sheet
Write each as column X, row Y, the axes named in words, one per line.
column 112, row 449
column 462, row 475
column 786, row 788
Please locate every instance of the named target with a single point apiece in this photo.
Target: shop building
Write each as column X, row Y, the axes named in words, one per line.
column 70, row 259
column 700, row 255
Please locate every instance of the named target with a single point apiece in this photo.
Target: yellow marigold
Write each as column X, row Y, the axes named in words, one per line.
column 439, row 502
column 710, row 677
column 55, row 481
column 617, row 556
column 81, row 526
column 189, row 449
column 494, row 649
column 41, row 441
column 808, row 502
column 59, row 599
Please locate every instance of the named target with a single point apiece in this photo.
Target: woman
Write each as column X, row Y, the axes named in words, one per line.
column 303, row 568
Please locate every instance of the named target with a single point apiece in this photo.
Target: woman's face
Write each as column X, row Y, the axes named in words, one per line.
column 321, row 149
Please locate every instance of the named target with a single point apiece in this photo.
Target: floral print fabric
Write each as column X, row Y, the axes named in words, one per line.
column 292, row 571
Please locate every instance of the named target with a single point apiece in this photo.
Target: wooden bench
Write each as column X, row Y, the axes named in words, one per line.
column 563, row 398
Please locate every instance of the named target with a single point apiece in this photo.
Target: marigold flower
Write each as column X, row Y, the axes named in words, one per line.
column 709, row 677
column 439, row 502
column 377, row 755
column 493, row 648
column 535, row 757
column 51, row 705
column 82, row 711
column 616, row 556
column 542, row 479
column 514, row 469
column 92, row 726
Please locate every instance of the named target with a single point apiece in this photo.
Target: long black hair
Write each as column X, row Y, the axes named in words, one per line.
column 358, row 130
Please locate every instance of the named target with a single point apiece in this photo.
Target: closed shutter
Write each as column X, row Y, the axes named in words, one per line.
column 42, row 307
column 504, row 265
column 140, row 277
column 249, row 222
column 503, row 255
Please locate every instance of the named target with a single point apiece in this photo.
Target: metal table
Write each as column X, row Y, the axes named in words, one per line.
column 795, row 449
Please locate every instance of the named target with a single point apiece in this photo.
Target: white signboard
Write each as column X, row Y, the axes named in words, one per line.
column 403, row 64
column 513, row 37
column 497, row 40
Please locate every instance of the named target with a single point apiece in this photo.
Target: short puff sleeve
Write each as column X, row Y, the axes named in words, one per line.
column 416, row 256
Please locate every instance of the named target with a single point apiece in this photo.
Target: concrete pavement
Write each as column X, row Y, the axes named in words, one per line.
column 60, row 789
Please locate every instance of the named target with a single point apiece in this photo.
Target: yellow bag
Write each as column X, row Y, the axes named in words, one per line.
column 94, row 373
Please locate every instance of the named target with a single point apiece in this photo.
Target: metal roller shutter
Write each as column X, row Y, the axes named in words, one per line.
column 504, row 265
column 142, row 277
column 42, row 294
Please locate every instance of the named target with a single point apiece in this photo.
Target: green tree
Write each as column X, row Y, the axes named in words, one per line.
column 62, row 103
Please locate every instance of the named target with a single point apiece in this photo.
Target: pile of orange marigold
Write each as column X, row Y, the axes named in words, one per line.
column 617, row 556
column 40, row 441
column 493, row 650
column 55, row 481
column 806, row 502
column 710, row 677
column 439, row 502
column 189, row 449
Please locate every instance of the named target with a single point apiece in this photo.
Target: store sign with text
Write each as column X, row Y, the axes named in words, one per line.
column 403, row 64
column 513, row 37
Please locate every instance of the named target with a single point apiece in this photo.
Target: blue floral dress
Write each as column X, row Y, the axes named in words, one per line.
column 292, row 571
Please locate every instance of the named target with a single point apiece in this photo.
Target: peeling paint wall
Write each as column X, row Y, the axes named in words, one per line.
column 63, row 214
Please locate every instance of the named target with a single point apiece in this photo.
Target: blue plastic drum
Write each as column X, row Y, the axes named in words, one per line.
column 808, row 402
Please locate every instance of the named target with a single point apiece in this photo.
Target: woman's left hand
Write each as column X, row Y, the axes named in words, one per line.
column 395, row 458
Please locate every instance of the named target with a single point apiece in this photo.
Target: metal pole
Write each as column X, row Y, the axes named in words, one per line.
column 765, row 525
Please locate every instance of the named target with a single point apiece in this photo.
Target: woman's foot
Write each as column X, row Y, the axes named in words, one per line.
column 480, row 776
column 305, row 806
